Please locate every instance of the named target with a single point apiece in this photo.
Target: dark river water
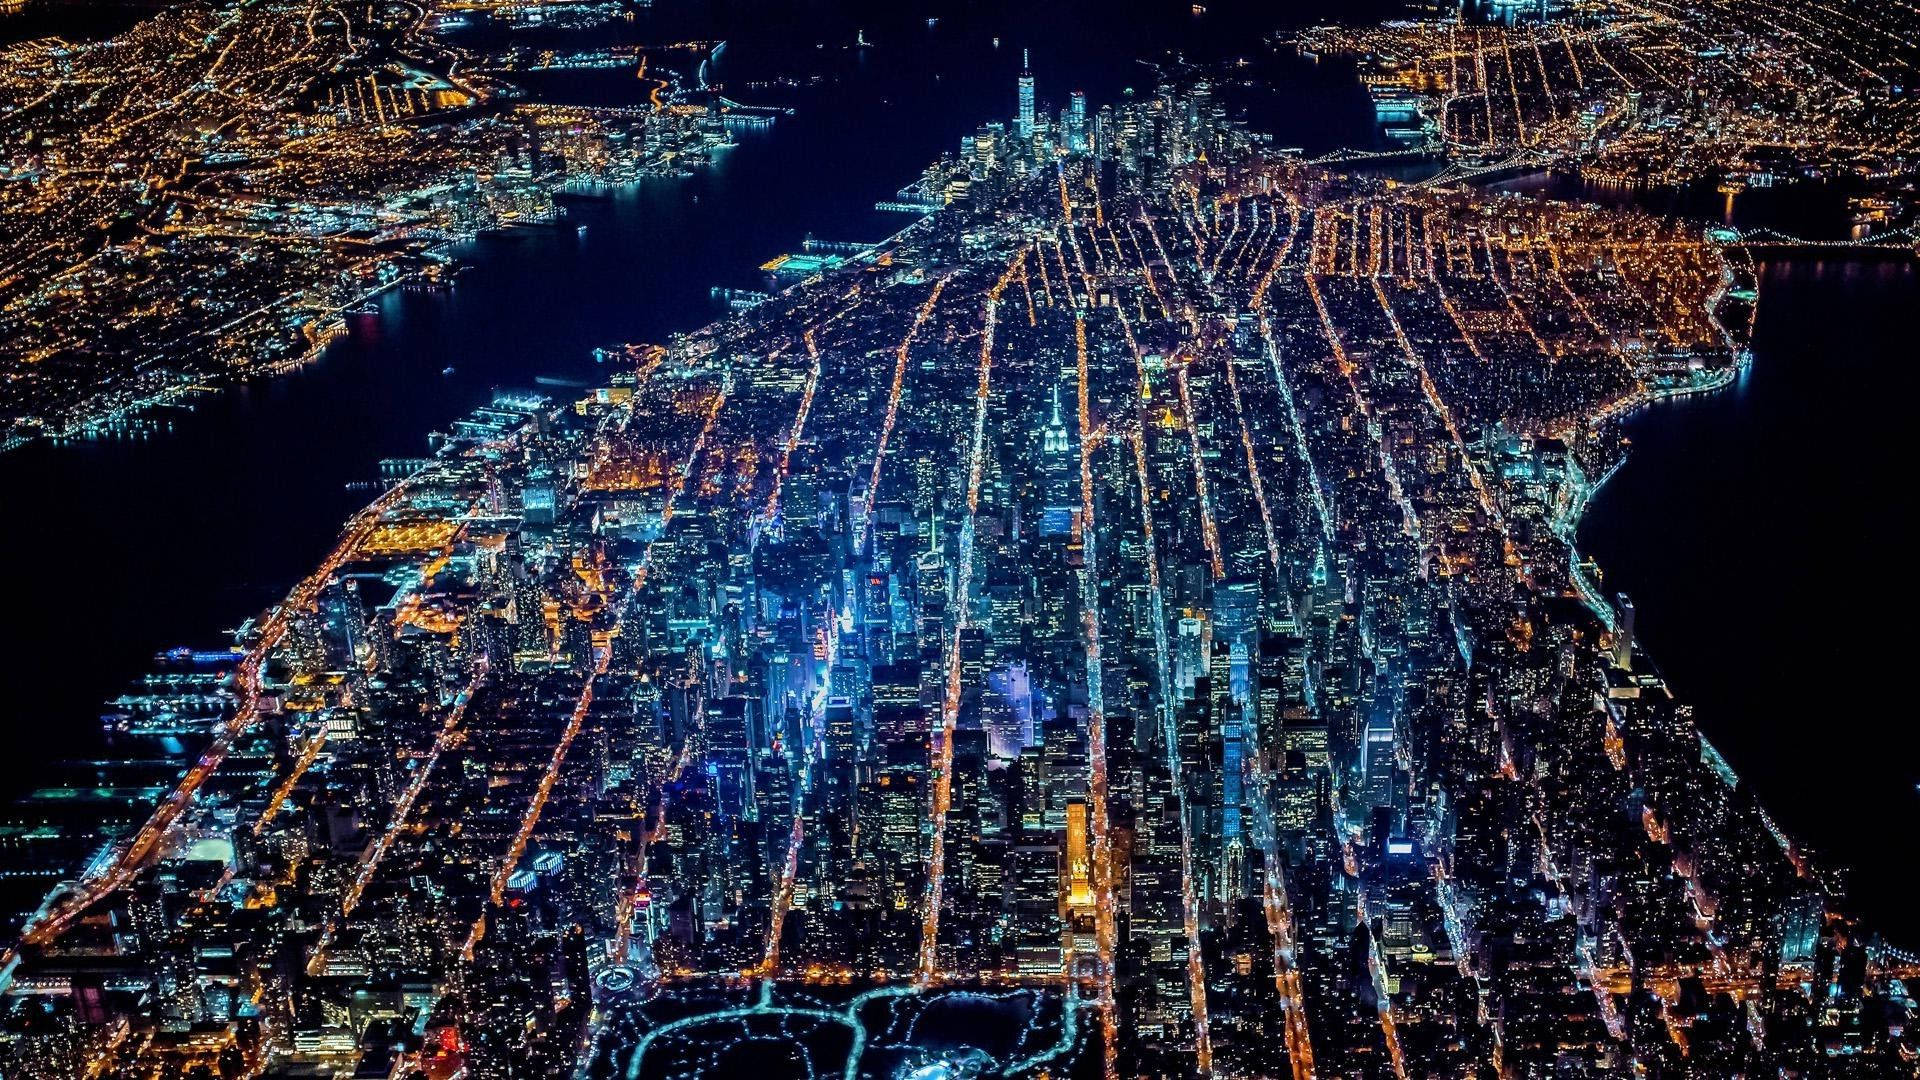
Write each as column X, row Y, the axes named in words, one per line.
column 1756, row 529
column 1759, row 532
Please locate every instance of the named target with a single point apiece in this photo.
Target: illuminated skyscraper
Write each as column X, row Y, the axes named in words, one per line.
column 1079, row 858
column 1023, row 124
column 1623, row 635
column 1077, row 122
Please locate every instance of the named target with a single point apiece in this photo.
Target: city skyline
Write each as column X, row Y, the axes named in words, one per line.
column 1126, row 622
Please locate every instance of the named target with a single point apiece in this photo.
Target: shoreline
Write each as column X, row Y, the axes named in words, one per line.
column 1568, row 518
column 1572, row 513
column 291, row 330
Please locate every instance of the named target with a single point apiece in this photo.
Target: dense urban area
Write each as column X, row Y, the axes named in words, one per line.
column 207, row 194
column 1125, row 623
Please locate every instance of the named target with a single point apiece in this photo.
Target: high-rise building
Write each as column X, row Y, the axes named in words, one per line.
column 1623, row 635
column 1023, row 123
column 1077, row 122
column 1079, row 859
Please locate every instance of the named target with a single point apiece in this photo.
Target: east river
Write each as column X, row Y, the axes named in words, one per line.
column 1757, row 529
column 1765, row 535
